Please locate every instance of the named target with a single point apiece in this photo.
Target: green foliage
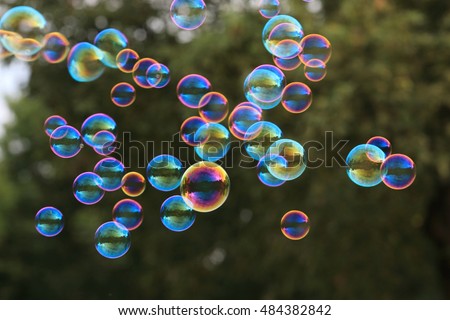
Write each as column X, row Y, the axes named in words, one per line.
column 386, row 77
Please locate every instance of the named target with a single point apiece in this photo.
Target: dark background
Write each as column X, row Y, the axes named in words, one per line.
column 388, row 76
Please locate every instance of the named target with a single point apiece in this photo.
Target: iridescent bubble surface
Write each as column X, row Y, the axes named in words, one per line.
column 65, row 141
column 262, row 169
column 191, row 89
column 112, row 240
column 176, row 215
column 295, row 156
column 133, row 184
column 260, row 136
column 295, row 225
column 315, row 70
column 297, row 97
column 85, row 62
column 215, row 141
column 188, row 129
column 291, row 29
column 103, row 143
column 398, row 171
column 111, row 41
column 111, row 172
column 213, row 107
column 123, row 94
column 96, row 123
column 269, row 8
column 158, row 75
column 140, row 72
column 205, row 186
column 56, row 47
column 315, row 46
column 188, row 14
column 364, row 165
column 382, row 143
column 126, row 60
column 128, row 213
column 53, row 122
column 241, row 119
column 284, row 40
column 287, row 64
column 49, row 221
column 87, row 188
column 164, row 172
column 264, row 86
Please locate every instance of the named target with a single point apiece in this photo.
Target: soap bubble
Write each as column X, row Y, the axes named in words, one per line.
column 85, row 62
column 264, row 86
column 269, row 8
column 260, row 136
column 215, row 141
column 191, row 89
column 364, row 165
column 398, row 171
column 164, row 172
column 140, row 72
column 315, row 46
column 284, row 40
column 128, row 213
column 291, row 29
column 176, row 215
column 188, row 129
column 111, row 42
column 65, row 141
column 53, row 122
column 287, row 64
column 205, row 186
column 213, row 107
column 158, row 75
column 96, row 123
column 263, row 172
column 103, row 143
column 295, row 156
column 49, row 221
column 315, row 70
column 133, row 184
column 123, row 94
column 112, row 240
column 242, row 118
column 188, row 14
column 295, row 225
column 87, row 188
column 56, row 47
column 297, row 97
column 382, row 143
column 111, row 172
column 126, row 60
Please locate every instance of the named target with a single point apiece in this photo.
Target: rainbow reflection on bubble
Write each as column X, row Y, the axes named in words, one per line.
column 49, row 221
column 133, row 184
column 213, row 107
column 126, row 60
column 188, row 14
column 188, row 129
column 56, row 47
column 269, row 8
column 103, row 143
column 86, row 188
column 111, row 42
column 295, row 225
column 295, row 156
column 53, row 122
column 315, row 46
column 263, row 172
column 242, row 118
column 297, row 97
column 176, row 215
column 85, row 62
column 128, row 213
column 287, row 64
column 364, row 165
column 284, row 40
column 215, row 141
column 123, row 94
column 140, row 72
column 205, row 186
column 65, row 141
column 96, row 123
column 112, row 240
column 315, row 70
column 191, row 89
column 398, row 171
column 272, row 32
column 382, row 143
column 260, row 136
column 164, row 172
column 111, row 171
column 158, row 75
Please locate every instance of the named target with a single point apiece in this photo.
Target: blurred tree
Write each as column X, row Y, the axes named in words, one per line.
column 387, row 77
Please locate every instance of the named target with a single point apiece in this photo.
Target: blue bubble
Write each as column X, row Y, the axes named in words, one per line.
column 94, row 124
column 176, row 215
column 85, row 62
column 364, row 165
column 260, row 136
column 164, row 172
column 86, row 188
column 263, row 172
column 112, row 240
column 49, row 221
column 128, row 212
column 111, row 42
column 65, row 142
column 52, row 123
column 215, row 141
column 111, row 171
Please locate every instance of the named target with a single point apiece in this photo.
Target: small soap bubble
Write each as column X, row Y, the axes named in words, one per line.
column 158, row 75
column 398, row 171
column 85, row 62
column 295, row 156
column 213, row 107
column 128, row 213
column 176, row 215
column 269, row 8
column 295, row 225
column 382, row 143
column 103, row 143
column 96, row 123
column 112, row 240
column 205, row 186
column 140, row 72
column 315, row 46
column 188, row 129
column 56, row 47
column 164, row 172
column 111, row 172
column 364, row 165
column 53, row 122
column 263, row 172
column 259, row 137
column 315, row 70
column 287, row 64
column 284, row 40
column 126, row 60
column 49, row 221
column 133, row 184
column 123, row 94
column 65, row 141
column 215, row 141
column 191, row 89
column 188, row 14
column 264, row 86
column 242, row 118
column 87, row 188
column 297, row 97
column 111, row 42
column 272, row 32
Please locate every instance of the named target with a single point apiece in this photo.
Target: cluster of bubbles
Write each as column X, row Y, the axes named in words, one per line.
column 371, row 163
column 204, row 186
